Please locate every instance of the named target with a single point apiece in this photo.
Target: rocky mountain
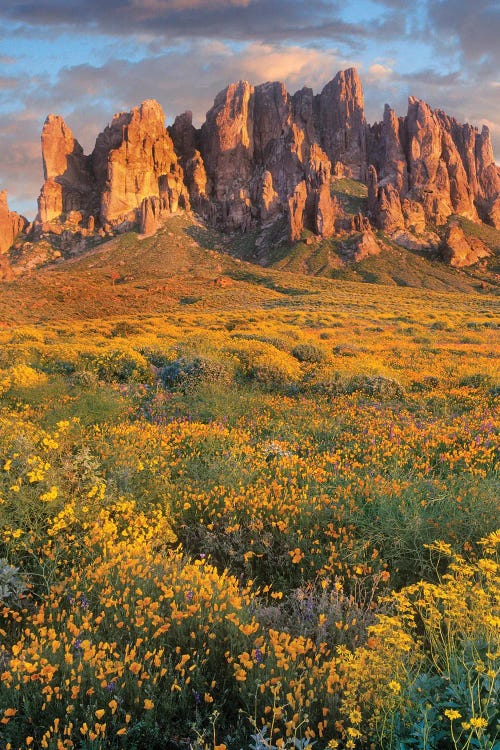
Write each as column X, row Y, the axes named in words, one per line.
column 264, row 157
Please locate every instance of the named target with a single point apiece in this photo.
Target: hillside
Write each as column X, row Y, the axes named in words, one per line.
column 188, row 264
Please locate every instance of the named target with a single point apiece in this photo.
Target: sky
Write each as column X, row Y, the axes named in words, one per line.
column 87, row 59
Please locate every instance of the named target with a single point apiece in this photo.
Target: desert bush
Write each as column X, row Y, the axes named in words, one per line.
column 14, row 355
column 58, row 359
column 476, row 380
column 124, row 328
column 187, row 372
column 12, row 584
column 376, row 386
column 426, row 384
column 346, row 350
column 263, row 363
column 308, row 353
column 159, row 357
column 23, row 376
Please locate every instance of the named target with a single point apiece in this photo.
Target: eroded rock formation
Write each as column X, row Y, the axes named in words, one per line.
column 263, row 155
column 11, row 224
column 142, row 164
column 342, row 125
column 429, row 161
column 133, row 160
column 69, row 180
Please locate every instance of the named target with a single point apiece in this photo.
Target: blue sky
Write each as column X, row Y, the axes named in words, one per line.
column 87, row 59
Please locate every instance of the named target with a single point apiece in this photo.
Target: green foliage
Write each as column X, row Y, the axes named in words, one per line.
column 12, row 584
column 117, row 365
column 308, row 353
column 377, row 386
column 187, row 372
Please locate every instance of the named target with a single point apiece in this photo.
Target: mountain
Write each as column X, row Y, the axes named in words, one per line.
column 277, row 169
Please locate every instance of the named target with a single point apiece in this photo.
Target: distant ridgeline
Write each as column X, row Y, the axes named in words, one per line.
column 262, row 156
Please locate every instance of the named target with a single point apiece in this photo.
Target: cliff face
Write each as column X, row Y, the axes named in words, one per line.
column 342, row 125
column 262, row 155
column 432, row 160
column 256, row 145
column 11, row 224
column 141, row 164
column 133, row 161
column 259, row 144
column 69, row 181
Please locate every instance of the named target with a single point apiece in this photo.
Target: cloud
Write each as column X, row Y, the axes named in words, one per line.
column 184, row 79
column 473, row 27
column 21, row 164
column 8, row 83
column 265, row 20
column 378, row 74
column 158, row 6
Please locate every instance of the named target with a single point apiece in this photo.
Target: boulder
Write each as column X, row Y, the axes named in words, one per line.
column 461, row 251
column 365, row 246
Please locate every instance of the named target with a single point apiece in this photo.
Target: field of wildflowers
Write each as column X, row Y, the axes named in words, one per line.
column 266, row 528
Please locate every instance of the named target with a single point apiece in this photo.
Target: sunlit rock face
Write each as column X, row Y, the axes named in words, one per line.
column 141, row 163
column 11, row 224
column 257, row 144
column 69, row 180
column 430, row 160
column 133, row 159
column 263, row 155
column 460, row 251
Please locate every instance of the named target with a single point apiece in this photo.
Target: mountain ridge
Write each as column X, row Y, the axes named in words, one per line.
column 265, row 157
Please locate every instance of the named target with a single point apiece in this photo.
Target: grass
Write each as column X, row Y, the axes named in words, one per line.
column 484, row 232
column 351, row 194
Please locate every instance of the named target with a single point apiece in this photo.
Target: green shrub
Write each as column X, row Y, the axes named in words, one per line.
column 476, row 380
column 376, row 386
column 124, row 328
column 186, row 372
column 308, row 353
column 424, row 385
column 12, row 584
